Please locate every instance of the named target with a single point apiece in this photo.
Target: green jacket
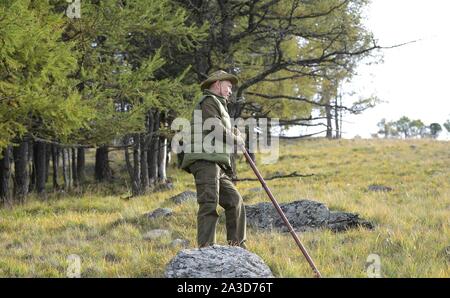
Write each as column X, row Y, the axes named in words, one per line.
column 210, row 105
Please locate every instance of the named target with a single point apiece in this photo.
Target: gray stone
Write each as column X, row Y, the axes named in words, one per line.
column 156, row 234
column 304, row 215
column 160, row 212
column 184, row 197
column 217, row 262
column 180, row 243
column 112, row 258
column 375, row 187
column 342, row 221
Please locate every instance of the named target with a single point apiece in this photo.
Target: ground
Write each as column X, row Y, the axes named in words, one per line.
column 411, row 238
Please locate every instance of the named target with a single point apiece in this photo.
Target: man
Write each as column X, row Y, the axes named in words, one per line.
column 211, row 170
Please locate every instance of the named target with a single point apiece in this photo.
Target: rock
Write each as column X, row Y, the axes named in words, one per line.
column 375, row 187
column 184, row 196
column 342, row 221
column 217, row 262
column 180, row 242
column 160, row 212
column 304, row 215
column 156, row 234
column 112, row 258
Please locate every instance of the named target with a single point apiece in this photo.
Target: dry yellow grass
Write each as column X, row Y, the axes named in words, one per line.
column 412, row 235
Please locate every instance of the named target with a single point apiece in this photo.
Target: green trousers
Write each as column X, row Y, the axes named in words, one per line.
column 215, row 188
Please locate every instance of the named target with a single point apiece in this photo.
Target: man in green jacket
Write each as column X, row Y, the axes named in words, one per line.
column 211, row 169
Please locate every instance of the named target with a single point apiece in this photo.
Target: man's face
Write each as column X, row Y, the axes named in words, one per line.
column 225, row 88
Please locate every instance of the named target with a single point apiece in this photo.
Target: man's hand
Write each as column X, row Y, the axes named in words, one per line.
column 239, row 137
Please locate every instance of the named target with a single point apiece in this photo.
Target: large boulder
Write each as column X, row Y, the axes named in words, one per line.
column 218, row 262
column 304, row 215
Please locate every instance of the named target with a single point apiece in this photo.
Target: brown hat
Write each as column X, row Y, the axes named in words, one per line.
column 219, row 75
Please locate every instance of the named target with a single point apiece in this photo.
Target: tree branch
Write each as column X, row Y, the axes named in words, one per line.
column 291, row 175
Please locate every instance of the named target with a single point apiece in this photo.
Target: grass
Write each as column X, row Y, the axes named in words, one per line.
column 412, row 234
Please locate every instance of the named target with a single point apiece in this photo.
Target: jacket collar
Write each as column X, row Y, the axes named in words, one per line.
column 222, row 99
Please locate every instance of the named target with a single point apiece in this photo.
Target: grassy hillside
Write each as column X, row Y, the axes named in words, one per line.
column 412, row 234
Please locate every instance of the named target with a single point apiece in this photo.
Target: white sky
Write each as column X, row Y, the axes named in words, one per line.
column 413, row 79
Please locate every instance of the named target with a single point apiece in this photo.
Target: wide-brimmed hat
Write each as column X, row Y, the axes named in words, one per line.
column 219, row 75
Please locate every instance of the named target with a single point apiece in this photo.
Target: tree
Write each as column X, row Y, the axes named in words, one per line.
column 435, row 129
column 384, row 128
column 403, row 126
column 38, row 98
column 447, row 125
column 416, row 128
column 280, row 49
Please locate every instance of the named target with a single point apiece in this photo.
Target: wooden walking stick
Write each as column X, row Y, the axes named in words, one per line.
column 280, row 211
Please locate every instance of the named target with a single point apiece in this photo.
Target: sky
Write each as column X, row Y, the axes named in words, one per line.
column 414, row 80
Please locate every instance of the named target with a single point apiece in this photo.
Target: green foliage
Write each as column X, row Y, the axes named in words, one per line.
column 408, row 128
column 124, row 49
column 447, row 125
column 37, row 95
column 435, row 129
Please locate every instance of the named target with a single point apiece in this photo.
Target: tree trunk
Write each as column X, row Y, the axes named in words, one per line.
column 55, row 163
column 103, row 171
column 5, row 174
column 329, row 121
column 136, row 178
column 145, row 181
column 74, row 168
column 40, row 165
column 162, row 176
column 21, row 171
column 81, row 166
column 340, row 117
column 336, row 119
column 47, row 161
column 154, row 150
column 248, row 135
column 65, row 168
column 69, row 167
column 127, row 160
column 33, row 167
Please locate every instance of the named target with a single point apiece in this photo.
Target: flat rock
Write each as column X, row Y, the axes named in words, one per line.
column 342, row 221
column 184, row 197
column 217, row 262
column 160, row 212
column 304, row 215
